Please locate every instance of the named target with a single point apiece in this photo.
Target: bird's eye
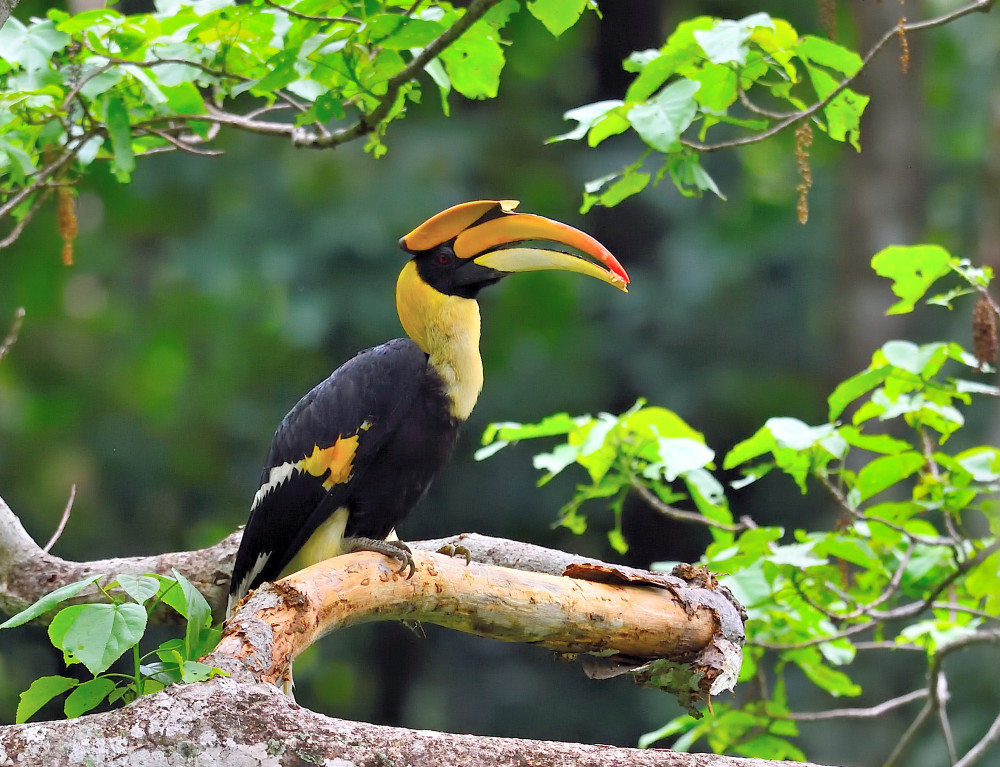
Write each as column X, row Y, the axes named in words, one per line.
column 444, row 259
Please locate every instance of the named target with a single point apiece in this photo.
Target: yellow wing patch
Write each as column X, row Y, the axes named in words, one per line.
column 338, row 459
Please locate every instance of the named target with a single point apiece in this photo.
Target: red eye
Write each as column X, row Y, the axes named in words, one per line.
column 444, row 259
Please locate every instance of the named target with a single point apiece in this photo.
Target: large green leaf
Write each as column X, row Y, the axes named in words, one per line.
column 884, row 472
column 88, row 696
column 97, row 635
column 41, row 691
column 661, row 120
column 558, row 15
column 912, row 269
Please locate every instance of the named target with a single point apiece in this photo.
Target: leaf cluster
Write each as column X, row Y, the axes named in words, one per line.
column 97, row 635
column 713, row 72
column 102, row 85
column 914, row 561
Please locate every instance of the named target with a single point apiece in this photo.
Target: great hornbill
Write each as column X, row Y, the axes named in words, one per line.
column 358, row 451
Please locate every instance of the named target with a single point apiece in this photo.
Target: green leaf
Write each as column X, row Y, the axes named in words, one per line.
column 983, row 463
column 558, row 15
column 661, row 120
column 41, row 691
column 49, row 601
column 760, row 443
column 876, row 443
column 727, row 41
column 829, row 54
column 88, row 696
column 834, row 682
column 474, row 62
column 120, row 133
column 690, row 178
column 849, row 390
column 679, row 455
column 885, row 471
column 199, row 619
column 912, row 269
column 794, row 434
column 195, row 671
column 629, row 182
column 97, row 635
column 984, row 583
column 843, row 112
column 140, row 588
column 923, row 360
column 585, row 117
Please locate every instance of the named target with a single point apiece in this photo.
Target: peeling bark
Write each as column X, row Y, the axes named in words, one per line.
column 662, row 630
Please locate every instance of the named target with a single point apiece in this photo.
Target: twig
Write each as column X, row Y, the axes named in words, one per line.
column 62, row 522
column 307, row 17
column 15, row 328
column 849, row 631
column 859, row 713
column 915, row 608
column 15, row 232
column 681, row 515
column 183, row 145
column 841, row 500
column 973, row 755
column 911, row 731
column 941, row 696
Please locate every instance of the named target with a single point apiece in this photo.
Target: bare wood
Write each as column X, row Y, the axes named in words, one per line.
column 222, row 723
column 638, row 624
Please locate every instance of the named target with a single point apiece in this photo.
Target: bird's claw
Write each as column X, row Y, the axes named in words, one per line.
column 456, row 551
column 393, row 549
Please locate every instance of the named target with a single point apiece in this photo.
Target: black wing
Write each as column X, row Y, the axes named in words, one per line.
column 321, row 451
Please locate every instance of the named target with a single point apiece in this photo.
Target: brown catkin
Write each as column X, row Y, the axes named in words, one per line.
column 828, row 17
column 67, row 222
column 904, row 46
column 984, row 331
column 803, row 140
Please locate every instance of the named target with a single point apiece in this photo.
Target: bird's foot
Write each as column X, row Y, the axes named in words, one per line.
column 456, row 551
column 393, row 549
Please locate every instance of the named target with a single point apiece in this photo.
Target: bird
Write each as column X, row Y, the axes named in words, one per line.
column 357, row 452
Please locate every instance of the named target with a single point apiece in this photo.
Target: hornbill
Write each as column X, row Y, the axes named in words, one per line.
column 358, row 451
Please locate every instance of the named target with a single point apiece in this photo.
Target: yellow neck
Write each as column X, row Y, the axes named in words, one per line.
column 447, row 329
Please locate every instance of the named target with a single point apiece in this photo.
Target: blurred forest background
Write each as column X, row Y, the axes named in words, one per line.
column 209, row 294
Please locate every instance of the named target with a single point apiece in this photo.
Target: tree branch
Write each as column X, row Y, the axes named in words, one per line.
column 224, row 723
column 662, row 630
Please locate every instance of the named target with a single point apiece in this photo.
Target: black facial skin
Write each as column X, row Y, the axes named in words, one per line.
column 440, row 268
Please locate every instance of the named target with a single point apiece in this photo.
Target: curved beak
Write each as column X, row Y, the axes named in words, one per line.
column 489, row 234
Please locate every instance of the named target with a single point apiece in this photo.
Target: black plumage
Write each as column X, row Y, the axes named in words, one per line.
column 393, row 401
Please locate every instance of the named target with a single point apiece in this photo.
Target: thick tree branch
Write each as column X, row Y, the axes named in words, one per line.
column 222, row 723
column 663, row 630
